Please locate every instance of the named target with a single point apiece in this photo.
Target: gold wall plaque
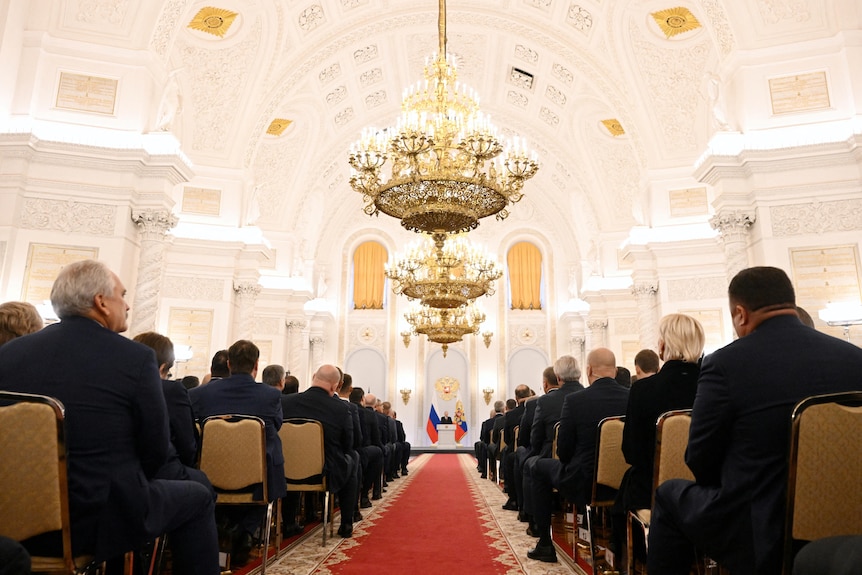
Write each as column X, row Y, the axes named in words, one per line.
column 201, row 201
column 192, row 327
column 688, row 202
column 44, row 262
column 86, row 93
column 673, row 21
column 614, row 127
column 215, row 21
column 278, row 126
column 799, row 93
column 825, row 275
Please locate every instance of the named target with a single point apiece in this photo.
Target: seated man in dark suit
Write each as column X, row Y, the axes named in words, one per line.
column 573, row 472
column 371, row 452
column 240, row 394
column 739, row 436
column 507, row 462
column 496, row 446
column 117, row 434
column 316, row 403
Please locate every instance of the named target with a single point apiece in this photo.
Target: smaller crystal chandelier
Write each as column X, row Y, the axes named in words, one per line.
column 445, row 326
column 443, row 275
column 442, row 167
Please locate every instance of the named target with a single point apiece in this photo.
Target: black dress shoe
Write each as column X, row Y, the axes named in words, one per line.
column 242, row 549
column 357, row 516
column 510, row 505
column 523, row 517
column 544, row 553
column 404, row 471
column 365, row 503
column 291, row 530
column 346, row 531
column 376, row 497
column 483, row 476
column 533, row 531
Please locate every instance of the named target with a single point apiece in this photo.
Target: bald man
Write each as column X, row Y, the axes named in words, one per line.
column 572, row 474
column 341, row 469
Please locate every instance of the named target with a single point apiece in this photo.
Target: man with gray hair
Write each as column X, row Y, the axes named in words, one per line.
column 116, row 425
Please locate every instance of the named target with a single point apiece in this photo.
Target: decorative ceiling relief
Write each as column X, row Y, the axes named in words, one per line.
column 674, row 21
column 329, row 73
column 673, row 75
column 218, row 80
column 773, row 11
column 526, row 54
column 615, row 161
column 520, row 78
column 365, row 54
column 102, row 11
column 275, row 164
column 549, row 117
column 562, row 73
column 311, row 18
column 517, row 99
column 714, row 10
column 344, row 116
column 278, row 126
column 370, row 77
column 555, row 95
column 336, row 96
column 169, row 20
column 816, row 218
column 375, row 99
column 215, row 21
column 579, row 18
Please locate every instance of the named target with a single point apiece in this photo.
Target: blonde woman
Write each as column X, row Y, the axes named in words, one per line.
column 18, row 318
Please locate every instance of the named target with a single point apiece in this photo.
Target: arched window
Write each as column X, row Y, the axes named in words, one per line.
column 368, row 277
column 525, row 276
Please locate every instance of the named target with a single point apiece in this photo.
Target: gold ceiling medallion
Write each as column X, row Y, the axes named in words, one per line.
column 278, row 126
column 441, row 167
column 675, row 21
column 614, row 127
column 215, row 21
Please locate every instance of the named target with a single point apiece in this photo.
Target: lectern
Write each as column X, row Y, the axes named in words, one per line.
column 445, row 436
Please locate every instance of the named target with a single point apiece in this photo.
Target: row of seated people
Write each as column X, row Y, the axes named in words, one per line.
column 130, row 434
column 741, row 397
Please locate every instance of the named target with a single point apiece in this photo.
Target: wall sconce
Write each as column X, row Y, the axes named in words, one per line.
column 405, row 337
column 487, row 335
column 488, row 393
column 405, row 395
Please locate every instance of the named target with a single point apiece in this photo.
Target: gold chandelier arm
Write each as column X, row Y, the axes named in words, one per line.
column 441, row 29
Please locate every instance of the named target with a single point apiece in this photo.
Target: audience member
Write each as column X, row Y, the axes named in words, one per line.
column 405, row 446
column 646, row 364
column 14, row 559
column 273, row 375
column 497, row 439
column 18, row 318
column 507, row 461
column 117, row 434
column 573, row 472
column 623, row 376
column 191, row 381
column 568, row 374
column 184, row 438
column 525, row 451
column 357, row 437
column 805, row 317
column 738, row 442
column 371, row 452
column 482, row 452
column 291, row 385
column 239, row 394
column 374, row 432
column 218, row 367
column 316, row 403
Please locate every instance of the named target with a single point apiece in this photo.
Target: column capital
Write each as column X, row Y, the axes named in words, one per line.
column 732, row 221
column 154, row 221
column 291, row 324
column 316, row 340
column 595, row 324
column 645, row 288
column 246, row 289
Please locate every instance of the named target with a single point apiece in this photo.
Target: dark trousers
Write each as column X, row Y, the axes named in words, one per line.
column 14, row 559
column 518, row 459
column 372, row 466
column 527, row 485
column 405, row 455
column 544, row 479
column 482, row 457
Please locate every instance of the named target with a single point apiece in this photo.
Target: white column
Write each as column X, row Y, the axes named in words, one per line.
column 645, row 294
column 733, row 228
column 597, row 328
column 246, row 294
column 294, row 345
column 317, row 344
column 152, row 226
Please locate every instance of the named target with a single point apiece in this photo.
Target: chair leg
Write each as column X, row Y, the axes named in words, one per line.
column 267, row 528
column 325, row 515
column 279, row 520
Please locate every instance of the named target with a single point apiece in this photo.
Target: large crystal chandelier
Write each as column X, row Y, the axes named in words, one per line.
column 442, row 167
column 443, row 274
column 445, row 326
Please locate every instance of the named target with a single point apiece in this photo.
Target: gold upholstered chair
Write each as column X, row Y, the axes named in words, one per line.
column 304, row 459
column 671, row 439
column 610, row 466
column 824, row 467
column 233, row 456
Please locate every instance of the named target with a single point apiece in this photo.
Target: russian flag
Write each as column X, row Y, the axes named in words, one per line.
column 460, row 430
column 431, row 426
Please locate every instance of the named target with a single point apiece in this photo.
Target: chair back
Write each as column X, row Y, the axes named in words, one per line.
column 611, row 464
column 304, row 458
column 671, row 439
column 824, row 467
column 34, row 495
column 233, row 456
column 516, row 432
column 554, row 453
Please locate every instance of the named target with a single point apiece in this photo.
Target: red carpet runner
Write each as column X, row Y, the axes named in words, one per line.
column 437, row 524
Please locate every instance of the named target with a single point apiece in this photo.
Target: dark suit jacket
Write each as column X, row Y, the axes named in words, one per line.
column 513, row 418
column 446, row 420
column 485, row 431
column 402, row 437
column 673, row 387
column 526, row 431
column 546, row 417
column 315, row 403
column 239, row 394
column 383, row 425
column 182, row 421
column 117, row 433
column 576, row 444
column 370, row 429
column 357, row 425
column 739, row 435
column 497, row 428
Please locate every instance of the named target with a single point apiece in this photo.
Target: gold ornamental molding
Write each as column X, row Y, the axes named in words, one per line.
column 614, row 127
column 278, row 126
column 215, row 21
column 674, row 21
column 447, row 388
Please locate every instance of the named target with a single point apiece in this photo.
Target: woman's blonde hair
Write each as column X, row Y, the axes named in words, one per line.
column 18, row 318
column 683, row 337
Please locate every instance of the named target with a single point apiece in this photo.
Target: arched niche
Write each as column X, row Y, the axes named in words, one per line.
column 368, row 368
column 525, row 367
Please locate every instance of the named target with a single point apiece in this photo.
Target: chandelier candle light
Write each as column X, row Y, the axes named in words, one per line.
column 442, row 167
column 445, row 326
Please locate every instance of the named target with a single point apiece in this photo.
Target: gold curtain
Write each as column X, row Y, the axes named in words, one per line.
column 525, row 276
column 368, row 277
